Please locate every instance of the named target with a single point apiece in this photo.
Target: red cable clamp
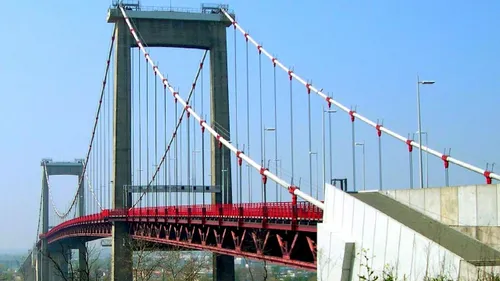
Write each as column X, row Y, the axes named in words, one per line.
column 146, row 56
column 202, row 127
column 112, row 38
column 107, row 62
column 220, row 143
column 174, row 134
column 351, row 113
column 445, row 160
column 308, row 86
column 290, row 74
column 164, row 80
column 131, row 30
column 104, row 83
column 410, row 147
column 239, row 158
column 186, row 108
column 264, row 177
column 292, row 189
column 329, row 101
column 487, row 176
column 155, row 69
column 234, row 24
column 194, row 85
column 174, row 94
column 138, row 42
column 201, row 65
column 274, row 61
column 246, row 36
column 379, row 132
column 259, row 47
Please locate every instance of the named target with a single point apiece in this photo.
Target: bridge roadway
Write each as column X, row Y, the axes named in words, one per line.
column 281, row 232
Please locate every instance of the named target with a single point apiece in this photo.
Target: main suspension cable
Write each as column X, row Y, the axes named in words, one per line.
column 447, row 158
column 63, row 215
column 265, row 173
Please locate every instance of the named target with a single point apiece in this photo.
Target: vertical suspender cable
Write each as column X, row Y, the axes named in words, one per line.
column 194, row 147
column 110, row 142
column 410, row 158
column 147, row 132
column 310, row 144
column 101, row 159
column 188, row 162
column 330, row 144
column 156, row 136
column 276, row 132
column 176, row 157
column 238, row 174
column 167, row 165
column 94, row 173
column 248, row 128
column 107, row 111
column 291, row 127
column 353, row 140
column 132, row 112
column 379, row 155
column 262, row 156
column 202, row 141
column 179, row 135
column 140, row 124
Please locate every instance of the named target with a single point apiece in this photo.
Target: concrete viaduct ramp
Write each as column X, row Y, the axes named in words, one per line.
column 376, row 232
column 469, row 249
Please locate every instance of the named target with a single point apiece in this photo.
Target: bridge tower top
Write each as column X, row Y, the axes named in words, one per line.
column 207, row 12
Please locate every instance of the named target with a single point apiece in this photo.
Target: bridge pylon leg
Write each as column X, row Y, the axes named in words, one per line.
column 121, row 258
column 223, row 265
column 44, row 260
column 82, row 262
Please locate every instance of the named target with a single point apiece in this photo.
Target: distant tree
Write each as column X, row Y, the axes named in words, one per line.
column 5, row 274
column 152, row 261
column 91, row 270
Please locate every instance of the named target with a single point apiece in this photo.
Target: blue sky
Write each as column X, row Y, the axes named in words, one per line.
column 366, row 53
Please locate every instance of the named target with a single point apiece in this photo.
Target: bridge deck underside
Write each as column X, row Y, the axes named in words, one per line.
column 286, row 247
column 274, row 237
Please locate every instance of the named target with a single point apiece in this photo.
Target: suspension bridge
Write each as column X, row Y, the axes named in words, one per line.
column 158, row 170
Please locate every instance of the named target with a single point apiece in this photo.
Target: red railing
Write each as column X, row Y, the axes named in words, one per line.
column 273, row 210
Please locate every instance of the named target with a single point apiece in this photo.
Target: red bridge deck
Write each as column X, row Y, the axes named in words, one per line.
column 282, row 232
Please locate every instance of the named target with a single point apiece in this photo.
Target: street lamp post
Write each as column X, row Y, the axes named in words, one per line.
column 362, row 144
column 264, row 160
column 420, row 127
column 323, row 142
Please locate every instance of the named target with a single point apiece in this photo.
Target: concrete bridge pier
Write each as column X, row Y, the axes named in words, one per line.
column 59, row 264
column 82, row 262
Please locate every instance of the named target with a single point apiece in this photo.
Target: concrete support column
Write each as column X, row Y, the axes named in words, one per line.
column 38, row 262
column 81, row 197
column 223, row 265
column 58, row 267
column 121, row 260
column 82, row 262
column 44, row 268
